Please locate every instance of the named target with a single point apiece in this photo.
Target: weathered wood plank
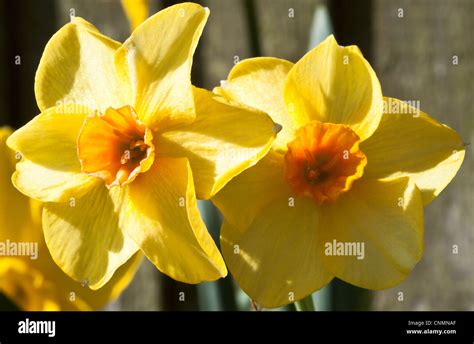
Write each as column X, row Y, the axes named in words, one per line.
column 25, row 33
column 414, row 61
column 145, row 293
column 224, row 41
column 285, row 27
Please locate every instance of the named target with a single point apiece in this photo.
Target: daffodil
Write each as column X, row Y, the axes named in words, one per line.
column 125, row 144
column 33, row 281
column 341, row 193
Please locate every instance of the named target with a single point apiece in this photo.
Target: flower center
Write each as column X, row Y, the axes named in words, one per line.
column 323, row 161
column 115, row 146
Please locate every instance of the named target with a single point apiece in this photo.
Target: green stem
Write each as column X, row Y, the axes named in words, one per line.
column 305, row 305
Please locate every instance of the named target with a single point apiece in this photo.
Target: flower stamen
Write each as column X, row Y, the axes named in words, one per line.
column 115, row 146
column 323, row 161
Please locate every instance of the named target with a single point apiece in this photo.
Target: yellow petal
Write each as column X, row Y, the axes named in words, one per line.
column 259, row 82
column 246, row 195
column 157, row 61
column 77, row 66
column 410, row 143
column 161, row 215
column 40, row 285
column 276, row 261
column 222, row 141
column 71, row 295
column 50, row 170
column 136, row 11
column 26, row 287
column 387, row 218
column 121, row 279
column 84, row 237
column 337, row 85
column 14, row 215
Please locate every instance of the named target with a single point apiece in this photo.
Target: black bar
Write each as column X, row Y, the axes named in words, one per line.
column 316, row 327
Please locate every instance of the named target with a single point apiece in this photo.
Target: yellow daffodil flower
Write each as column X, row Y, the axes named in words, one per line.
column 342, row 191
column 136, row 11
column 28, row 274
column 124, row 144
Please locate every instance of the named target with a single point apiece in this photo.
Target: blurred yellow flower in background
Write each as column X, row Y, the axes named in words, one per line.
column 136, row 11
column 125, row 143
column 34, row 282
column 350, row 171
